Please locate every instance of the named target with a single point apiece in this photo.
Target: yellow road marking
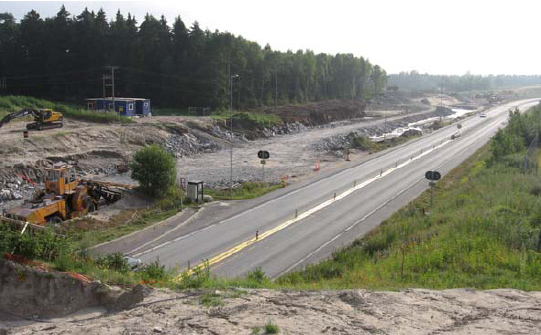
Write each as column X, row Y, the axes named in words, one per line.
column 264, row 235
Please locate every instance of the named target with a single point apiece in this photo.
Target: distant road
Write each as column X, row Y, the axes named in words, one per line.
column 307, row 224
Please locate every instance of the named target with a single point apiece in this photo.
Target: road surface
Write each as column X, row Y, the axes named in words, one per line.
column 307, row 224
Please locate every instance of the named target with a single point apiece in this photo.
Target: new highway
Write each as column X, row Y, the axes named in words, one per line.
column 307, row 224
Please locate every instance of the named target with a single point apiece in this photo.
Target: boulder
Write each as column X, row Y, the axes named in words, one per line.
column 15, row 195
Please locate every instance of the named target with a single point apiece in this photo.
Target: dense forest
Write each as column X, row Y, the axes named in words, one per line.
column 65, row 57
column 414, row 81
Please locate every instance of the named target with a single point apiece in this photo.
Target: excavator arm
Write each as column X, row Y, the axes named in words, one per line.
column 19, row 114
column 43, row 118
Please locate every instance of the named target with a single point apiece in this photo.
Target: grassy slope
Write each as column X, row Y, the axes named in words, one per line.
column 12, row 103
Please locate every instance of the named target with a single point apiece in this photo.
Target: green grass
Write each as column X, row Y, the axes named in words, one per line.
column 248, row 190
column 89, row 232
column 62, row 133
column 211, row 300
column 271, row 328
column 12, row 103
column 58, row 253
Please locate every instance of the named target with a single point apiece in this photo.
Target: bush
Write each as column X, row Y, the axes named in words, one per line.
column 271, row 328
column 115, row 261
column 154, row 168
column 154, row 272
column 41, row 245
column 361, row 142
column 258, row 276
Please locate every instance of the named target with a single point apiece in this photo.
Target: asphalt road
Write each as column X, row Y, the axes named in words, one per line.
column 307, row 224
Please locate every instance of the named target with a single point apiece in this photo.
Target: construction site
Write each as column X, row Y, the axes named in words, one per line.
column 93, row 159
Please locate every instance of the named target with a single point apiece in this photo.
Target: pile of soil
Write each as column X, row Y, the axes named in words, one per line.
column 319, row 113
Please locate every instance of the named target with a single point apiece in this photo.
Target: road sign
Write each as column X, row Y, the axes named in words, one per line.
column 432, row 175
column 263, row 162
column 263, row 154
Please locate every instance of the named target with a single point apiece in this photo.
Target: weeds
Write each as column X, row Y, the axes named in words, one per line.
column 154, row 272
column 212, row 300
column 114, row 261
column 271, row 328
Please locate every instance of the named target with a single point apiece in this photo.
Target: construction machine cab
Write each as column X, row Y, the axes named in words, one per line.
column 61, row 180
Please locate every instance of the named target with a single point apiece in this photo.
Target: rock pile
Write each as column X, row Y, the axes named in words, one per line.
column 189, row 145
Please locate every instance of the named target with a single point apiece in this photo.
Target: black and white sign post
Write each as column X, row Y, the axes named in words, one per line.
column 432, row 176
column 263, row 155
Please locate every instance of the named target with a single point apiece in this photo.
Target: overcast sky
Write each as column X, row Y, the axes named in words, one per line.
column 433, row 36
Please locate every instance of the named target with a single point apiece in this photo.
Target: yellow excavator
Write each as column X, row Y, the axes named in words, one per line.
column 64, row 198
column 43, row 118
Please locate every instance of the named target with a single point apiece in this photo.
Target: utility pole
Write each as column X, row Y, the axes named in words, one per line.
column 113, row 68
column 103, row 84
column 276, row 90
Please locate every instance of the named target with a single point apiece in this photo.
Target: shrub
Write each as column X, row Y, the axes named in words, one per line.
column 271, row 328
column 115, row 261
column 258, row 276
column 41, row 245
column 154, row 168
column 154, row 271
column 212, row 300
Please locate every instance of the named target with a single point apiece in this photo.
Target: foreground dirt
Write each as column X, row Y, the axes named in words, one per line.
column 414, row 311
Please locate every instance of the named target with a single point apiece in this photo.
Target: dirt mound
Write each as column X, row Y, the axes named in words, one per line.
column 319, row 113
column 35, row 292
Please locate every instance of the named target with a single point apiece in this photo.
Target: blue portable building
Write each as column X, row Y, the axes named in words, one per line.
column 123, row 106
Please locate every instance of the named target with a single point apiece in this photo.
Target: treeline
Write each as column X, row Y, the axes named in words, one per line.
column 415, row 81
column 64, row 57
column 521, row 134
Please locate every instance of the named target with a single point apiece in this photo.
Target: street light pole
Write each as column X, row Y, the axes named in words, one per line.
column 231, row 130
column 231, row 77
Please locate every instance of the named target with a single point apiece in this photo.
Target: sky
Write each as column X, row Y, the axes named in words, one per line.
column 429, row 36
